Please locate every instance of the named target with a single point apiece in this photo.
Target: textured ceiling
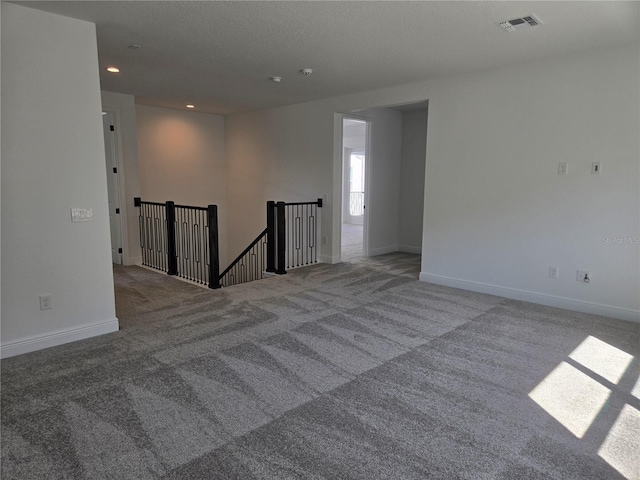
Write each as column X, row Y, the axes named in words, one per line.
column 220, row 55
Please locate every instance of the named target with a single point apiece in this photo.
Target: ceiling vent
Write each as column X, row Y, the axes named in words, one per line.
column 518, row 23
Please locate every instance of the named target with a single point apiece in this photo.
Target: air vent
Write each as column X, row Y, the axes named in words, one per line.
column 517, row 23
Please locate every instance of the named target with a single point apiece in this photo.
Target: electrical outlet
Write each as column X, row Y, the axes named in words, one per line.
column 553, row 272
column 45, row 302
column 583, row 276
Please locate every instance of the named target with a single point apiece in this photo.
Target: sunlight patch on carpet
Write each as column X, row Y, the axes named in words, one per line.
column 571, row 397
column 621, row 448
column 606, row 360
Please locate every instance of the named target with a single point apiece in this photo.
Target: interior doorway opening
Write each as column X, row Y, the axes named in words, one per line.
column 355, row 141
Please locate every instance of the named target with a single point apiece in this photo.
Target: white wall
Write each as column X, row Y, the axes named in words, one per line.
column 52, row 160
column 383, row 180
column 354, row 137
column 414, row 145
column 278, row 154
column 126, row 134
column 355, row 142
column 182, row 158
column 496, row 212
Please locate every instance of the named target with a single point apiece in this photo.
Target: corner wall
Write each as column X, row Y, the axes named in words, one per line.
column 182, row 158
column 277, row 154
column 383, row 180
column 414, row 146
column 496, row 214
column 52, row 160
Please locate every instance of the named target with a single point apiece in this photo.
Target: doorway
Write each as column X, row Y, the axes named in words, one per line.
column 355, row 141
column 113, row 184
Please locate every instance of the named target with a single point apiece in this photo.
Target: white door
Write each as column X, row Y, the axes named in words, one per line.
column 113, row 188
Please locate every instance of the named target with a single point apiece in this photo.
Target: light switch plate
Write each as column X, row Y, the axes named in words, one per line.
column 81, row 215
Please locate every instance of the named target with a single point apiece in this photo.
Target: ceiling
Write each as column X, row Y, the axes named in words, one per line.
column 220, row 55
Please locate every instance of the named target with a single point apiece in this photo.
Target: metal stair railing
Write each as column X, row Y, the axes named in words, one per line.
column 182, row 240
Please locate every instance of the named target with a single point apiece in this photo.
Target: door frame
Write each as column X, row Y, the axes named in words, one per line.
column 117, row 152
column 339, row 191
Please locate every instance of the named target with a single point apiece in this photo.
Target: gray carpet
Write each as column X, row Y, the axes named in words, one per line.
column 351, row 248
column 350, row 371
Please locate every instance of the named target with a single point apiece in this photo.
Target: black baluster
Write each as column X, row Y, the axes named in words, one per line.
column 214, row 254
column 282, row 238
column 172, row 259
column 271, row 236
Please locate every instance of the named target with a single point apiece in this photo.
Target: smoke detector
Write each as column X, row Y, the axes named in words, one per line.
column 306, row 72
column 518, row 23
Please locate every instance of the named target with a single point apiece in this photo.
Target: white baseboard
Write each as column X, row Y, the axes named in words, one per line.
column 137, row 260
column 31, row 344
column 329, row 259
column 382, row 250
column 533, row 297
column 373, row 252
column 410, row 249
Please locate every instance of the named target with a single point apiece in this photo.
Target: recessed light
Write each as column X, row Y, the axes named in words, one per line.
column 134, row 46
column 113, row 69
column 190, row 106
column 276, row 79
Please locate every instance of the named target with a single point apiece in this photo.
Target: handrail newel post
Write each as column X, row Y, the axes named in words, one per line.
column 214, row 249
column 282, row 238
column 271, row 236
column 172, row 258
